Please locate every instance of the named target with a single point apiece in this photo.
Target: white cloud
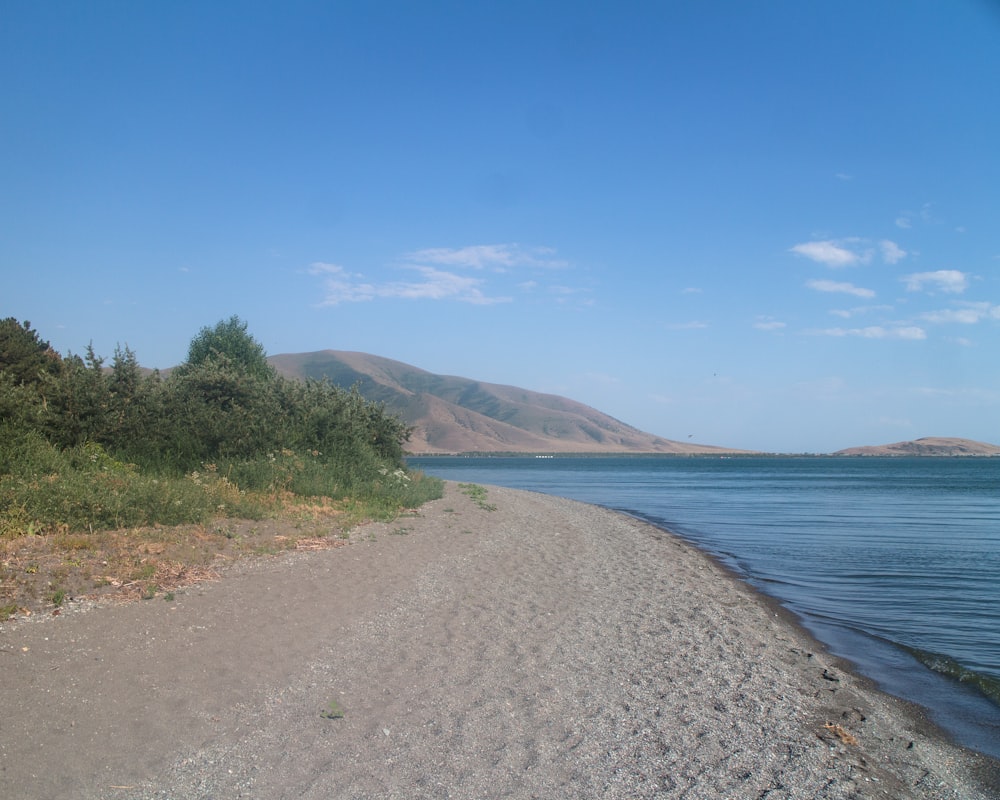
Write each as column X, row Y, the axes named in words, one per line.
column 439, row 285
column 341, row 286
column 903, row 222
column 833, row 254
column 322, row 268
column 912, row 333
column 691, row 290
column 765, row 323
column 434, row 280
column 849, row 252
column 687, row 326
column 488, row 256
column 847, row 313
column 835, row 286
column 965, row 316
column 945, row 280
column 891, row 252
column 964, row 313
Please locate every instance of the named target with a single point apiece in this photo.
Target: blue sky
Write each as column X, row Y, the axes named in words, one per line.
column 764, row 225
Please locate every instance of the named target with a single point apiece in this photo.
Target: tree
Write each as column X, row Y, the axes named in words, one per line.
column 76, row 401
column 229, row 341
column 219, row 410
column 24, row 356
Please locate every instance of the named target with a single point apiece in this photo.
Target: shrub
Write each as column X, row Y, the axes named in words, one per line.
column 85, row 447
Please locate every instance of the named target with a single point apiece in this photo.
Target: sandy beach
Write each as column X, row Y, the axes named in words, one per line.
column 537, row 648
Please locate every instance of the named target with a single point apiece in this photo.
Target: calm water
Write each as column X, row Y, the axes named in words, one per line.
column 894, row 563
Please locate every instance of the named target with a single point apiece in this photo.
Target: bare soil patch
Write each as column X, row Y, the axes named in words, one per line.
column 42, row 574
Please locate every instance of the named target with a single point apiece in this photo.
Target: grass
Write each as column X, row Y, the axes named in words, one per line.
column 477, row 494
column 333, row 710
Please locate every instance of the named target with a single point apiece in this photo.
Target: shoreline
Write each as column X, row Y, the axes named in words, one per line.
column 548, row 647
column 969, row 697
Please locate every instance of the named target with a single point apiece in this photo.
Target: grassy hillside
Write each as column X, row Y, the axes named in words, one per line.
column 451, row 414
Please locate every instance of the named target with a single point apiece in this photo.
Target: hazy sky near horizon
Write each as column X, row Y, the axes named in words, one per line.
column 764, row 225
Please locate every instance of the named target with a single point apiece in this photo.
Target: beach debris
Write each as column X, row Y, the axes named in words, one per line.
column 840, row 732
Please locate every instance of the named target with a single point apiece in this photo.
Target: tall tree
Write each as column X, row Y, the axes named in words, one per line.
column 229, row 341
column 24, row 355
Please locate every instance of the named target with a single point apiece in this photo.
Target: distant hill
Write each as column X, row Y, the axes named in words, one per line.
column 458, row 415
column 928, row 446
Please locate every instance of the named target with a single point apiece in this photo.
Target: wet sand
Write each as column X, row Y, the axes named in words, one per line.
column 544, row 649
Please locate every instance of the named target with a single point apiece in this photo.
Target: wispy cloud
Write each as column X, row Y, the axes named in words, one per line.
column 498, row 257
column 964, row 313
column 837, row 286
column 686, row 326
column 944, row 280
column 910, row 332
column 568, row 294
column 849, row 252
column 847, row 313
column 833, row 254
column 891, row 252
column 905, row 219
column 341, row 286
column 765, row 323
column 461, row 274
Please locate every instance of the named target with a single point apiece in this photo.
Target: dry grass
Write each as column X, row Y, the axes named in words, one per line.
column 39, row 573
column 841, row 733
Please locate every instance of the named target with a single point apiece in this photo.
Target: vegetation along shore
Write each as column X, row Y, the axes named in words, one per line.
column 100, row 462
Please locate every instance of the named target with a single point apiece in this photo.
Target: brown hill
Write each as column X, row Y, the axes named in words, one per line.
column 458, row 415
column 928, row 446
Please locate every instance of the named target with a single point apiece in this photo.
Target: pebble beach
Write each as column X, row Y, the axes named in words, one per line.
column 524, row 646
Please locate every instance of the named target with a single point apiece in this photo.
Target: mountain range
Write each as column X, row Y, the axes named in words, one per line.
column 449, row 414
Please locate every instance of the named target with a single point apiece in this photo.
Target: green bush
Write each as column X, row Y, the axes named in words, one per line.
column 84, row 446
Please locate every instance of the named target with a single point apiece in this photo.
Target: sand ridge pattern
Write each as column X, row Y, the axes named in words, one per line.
column 544, row 649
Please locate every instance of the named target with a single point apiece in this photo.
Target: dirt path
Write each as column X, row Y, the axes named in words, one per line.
column 544, row 649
